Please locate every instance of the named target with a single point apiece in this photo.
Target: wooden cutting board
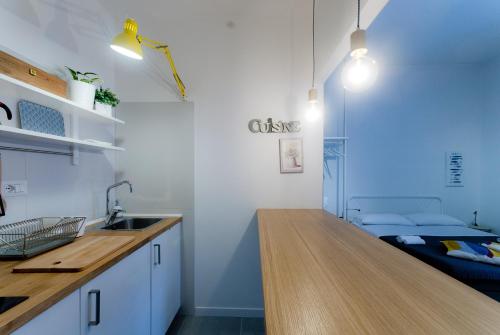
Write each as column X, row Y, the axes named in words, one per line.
column 76, row 256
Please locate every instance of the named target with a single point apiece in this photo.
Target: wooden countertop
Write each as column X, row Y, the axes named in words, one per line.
column 46, row 289
column 324, row 276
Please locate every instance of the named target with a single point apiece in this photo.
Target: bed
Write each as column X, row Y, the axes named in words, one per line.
column 482, row 277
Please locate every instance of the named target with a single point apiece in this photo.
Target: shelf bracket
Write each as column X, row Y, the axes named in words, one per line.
column 75, row 156
column 75, row 160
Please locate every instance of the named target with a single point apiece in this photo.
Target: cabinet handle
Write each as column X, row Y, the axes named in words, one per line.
column 97, row 319
column 157, row 249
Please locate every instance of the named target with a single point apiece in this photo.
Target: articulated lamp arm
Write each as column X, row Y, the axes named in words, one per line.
column 164, row 48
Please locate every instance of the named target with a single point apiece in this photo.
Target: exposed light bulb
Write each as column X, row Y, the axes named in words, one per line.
column 313, row 112
column 361, row 71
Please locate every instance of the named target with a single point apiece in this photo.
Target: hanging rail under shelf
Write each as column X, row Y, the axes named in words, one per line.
column 37, row 151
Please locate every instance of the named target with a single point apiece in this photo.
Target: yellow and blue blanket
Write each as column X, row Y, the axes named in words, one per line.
column 472, row 251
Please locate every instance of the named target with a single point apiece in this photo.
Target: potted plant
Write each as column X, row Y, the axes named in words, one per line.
column 82, row 88
column 105, row 100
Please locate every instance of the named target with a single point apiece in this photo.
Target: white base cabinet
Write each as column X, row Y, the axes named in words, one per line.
column 61, row 319
column 141, row 294
column 174, row 272
column 165, row 279
column 117, row 301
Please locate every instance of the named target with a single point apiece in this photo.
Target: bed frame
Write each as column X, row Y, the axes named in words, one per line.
column 399, row 204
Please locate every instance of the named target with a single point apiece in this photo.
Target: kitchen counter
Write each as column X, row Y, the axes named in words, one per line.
column 46, row 289
column 324, row 276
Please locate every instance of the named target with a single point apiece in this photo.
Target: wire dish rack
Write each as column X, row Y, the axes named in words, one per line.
column 29, row 238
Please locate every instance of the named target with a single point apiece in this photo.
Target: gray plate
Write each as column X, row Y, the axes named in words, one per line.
column 41, row 118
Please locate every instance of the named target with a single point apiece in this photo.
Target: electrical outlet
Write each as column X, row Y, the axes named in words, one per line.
column 14, row 188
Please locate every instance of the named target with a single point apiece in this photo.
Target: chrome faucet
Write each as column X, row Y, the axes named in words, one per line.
column 110, row 217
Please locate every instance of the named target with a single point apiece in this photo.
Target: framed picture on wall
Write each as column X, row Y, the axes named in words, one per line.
column 454, row 169
column 291, row 155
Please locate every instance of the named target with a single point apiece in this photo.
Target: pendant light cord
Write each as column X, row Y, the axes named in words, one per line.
column 314, row 43
column 359, row 11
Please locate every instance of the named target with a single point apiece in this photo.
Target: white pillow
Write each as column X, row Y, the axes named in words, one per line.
column 428, row 219
column 385, row 219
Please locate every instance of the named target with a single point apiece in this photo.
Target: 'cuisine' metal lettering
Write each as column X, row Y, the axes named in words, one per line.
column 259, row 126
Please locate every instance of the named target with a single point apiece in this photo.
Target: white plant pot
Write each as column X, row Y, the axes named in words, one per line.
column 82, row 93
column 104, row 109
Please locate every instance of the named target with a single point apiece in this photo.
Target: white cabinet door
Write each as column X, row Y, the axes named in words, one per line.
column 118, row 300
column 165, row 279
column 174, row 271
column 159, row 285
column 61, row 319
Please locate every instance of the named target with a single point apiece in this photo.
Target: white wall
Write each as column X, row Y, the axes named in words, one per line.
column 52, row 34
column 400, row 130
column 258, row 69
column 240, row 60
column 159, row 162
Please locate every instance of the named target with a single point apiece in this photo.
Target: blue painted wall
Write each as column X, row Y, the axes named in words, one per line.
column 437, row 91
column 401, row 129
column 490, row 146
column 436, row 32
column 333, row 126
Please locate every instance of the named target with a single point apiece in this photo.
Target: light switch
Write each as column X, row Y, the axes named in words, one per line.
column 14, row 188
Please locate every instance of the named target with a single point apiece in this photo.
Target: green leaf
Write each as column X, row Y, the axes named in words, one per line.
column 74, row 73
column 106, row 96
column 86, row 77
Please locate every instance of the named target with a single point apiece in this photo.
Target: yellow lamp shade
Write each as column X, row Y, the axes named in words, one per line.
column 126, row 42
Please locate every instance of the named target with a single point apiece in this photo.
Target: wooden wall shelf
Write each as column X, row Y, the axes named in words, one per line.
column 29, row 92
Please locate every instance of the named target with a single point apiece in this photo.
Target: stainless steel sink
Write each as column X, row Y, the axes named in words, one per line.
column 7, row 303
column 132, row 223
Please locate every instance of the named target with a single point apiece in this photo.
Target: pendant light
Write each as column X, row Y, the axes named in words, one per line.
column 361, row 71
column 313, row 112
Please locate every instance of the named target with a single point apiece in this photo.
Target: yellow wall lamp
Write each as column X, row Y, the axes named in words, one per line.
column 129, row 42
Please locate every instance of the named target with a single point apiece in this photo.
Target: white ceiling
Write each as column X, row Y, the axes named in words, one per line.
column 201, row 33
column 183, row 24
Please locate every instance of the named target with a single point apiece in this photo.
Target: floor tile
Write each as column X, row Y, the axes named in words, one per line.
column 253, row 326
column 176, row 325
column 208, row 326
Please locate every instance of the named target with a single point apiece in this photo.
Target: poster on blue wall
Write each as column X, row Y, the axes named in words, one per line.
column 454, row 169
